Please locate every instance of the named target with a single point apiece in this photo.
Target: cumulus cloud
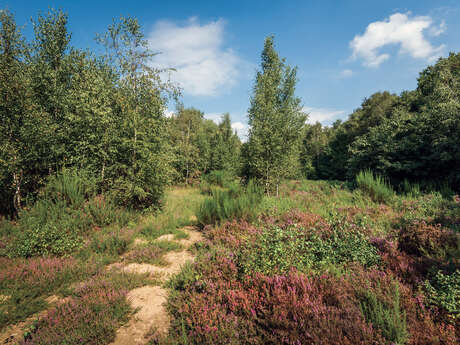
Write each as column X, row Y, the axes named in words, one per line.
column 196, row 51
column 400, row 29
column 241, row 129
column 322, row 115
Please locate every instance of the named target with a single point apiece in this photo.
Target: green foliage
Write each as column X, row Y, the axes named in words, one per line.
column 236, row 203
column 57, row 222
column 221, row 178
column 277, row 250
column 113, row 244
column 389, row 319
column 375, row 186
column 443, row 291
column 201, row 146
column 275, row 120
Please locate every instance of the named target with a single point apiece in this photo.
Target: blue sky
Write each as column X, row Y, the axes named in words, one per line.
column 344, row 50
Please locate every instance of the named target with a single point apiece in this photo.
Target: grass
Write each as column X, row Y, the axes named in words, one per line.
column 152, row 253
column 377, row 187
column 179, row 209
column 235, row 203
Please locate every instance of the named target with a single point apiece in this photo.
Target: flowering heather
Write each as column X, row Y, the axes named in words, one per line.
column 91, row 317
column 152, row 255
column 422, row 239
column 217, row 302
column 35, row 271
column 288, row 309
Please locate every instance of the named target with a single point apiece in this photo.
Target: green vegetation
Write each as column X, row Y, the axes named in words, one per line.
column 277, row 250
column 443, row 291
column 375, row 186
column 390, row 320
column 94, row 176
column 237, row 202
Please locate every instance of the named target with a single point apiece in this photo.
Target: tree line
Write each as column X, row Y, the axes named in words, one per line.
column 67, row 108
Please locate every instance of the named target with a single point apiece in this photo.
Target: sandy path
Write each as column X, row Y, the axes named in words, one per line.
column 150, row 300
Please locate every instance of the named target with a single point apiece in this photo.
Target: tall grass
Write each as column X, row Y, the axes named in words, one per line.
column 235, row 203
column 376, row 186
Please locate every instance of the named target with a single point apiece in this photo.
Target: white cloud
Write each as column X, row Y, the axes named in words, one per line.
column 241, row 129
column 438, row 30
column 322, row 115
column 216, row 117
column 169, row 113
column 398, row 29
column 196, row 51
column 346, row 73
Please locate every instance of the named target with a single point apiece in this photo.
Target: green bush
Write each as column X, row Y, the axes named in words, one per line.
column 235, row 203
column 112, row 245
column 221, row 178
column 276, row 250
column 389, row 319
column 375, row 186
column 443, row 291
column 66, row 210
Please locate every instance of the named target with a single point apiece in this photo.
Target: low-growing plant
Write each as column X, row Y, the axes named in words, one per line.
column 65, row 212
column 29, row 282
column 111, row 244
column 432, row 241
column 92, row 317
column 377, row 187
column 443, row 291
column 389, row 319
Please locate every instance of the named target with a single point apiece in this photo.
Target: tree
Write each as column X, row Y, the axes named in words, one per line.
column 226, row 147
column 419, row 142
column 275, row 120
column 14, row 114
column 140, row 169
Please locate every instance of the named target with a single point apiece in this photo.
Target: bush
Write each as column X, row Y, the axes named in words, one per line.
column 432, row 241
column 389, row 319
column 278, row 249
column 235, row 203
column 91, row 317
column 221, row 178
column 443, row 291
column 375, row 186
column 66, row 210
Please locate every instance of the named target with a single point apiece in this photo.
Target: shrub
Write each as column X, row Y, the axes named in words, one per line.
column 235, row 203
column 27, row 282
column 90, row 317
column 389, row 319
column 221, row 178
column 278, row 249
column 375, row 186
column 443, row 291
column 433, row 241
column 58, row 221
column 290, row 309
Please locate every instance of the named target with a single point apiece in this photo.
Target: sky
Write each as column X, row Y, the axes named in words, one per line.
column 344, row 50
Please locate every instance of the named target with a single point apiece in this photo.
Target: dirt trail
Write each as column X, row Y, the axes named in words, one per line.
column 150, row 300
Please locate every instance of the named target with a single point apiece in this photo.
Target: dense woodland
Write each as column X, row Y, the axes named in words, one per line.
column 309, row 234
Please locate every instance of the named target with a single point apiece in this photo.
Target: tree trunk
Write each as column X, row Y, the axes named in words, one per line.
column 17, row 180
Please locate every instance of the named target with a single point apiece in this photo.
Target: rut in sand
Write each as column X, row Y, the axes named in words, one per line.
column 149, row 301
